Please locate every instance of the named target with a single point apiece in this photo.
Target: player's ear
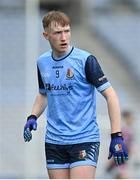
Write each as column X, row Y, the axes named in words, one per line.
column 45, row 34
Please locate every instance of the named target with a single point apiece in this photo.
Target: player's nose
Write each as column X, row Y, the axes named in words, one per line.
column 63, row 36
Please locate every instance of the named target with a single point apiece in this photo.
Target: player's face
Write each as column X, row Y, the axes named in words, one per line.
column 59, row 38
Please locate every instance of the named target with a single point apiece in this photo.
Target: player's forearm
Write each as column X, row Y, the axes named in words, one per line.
column 39, row 105
column 113, row 110
column 114, row 114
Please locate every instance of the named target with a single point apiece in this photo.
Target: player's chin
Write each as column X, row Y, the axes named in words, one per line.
column 62, row 50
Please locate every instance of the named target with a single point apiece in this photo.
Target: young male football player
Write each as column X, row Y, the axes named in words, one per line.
column 67, row 79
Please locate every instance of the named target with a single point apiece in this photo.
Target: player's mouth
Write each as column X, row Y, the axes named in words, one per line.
column 64, row 45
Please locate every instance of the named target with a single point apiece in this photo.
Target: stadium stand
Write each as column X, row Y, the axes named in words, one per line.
column 120, row 31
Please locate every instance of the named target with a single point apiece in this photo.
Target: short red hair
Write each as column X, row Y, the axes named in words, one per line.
column 57, row 17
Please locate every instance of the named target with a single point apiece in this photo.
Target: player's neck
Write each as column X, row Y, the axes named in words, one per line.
column 59, row 55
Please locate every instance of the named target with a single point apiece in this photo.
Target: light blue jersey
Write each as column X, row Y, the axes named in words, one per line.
column 70, row 83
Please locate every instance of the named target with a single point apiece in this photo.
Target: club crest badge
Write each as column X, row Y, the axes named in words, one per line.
column 69, row 74
column 82, row 154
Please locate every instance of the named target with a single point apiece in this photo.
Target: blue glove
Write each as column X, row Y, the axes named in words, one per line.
column 30, row 125
column 118, row 149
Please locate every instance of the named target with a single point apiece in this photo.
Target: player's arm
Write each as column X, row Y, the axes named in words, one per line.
column 113, row 109
column 95, row 76
column 37, row 109
column 39, row 105
column 117, row 147
column 41, row 99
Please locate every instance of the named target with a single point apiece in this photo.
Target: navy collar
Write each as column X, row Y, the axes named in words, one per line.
column 63, row 57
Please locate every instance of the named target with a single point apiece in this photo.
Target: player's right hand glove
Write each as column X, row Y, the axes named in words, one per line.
column 30, row 125
column 118, row 149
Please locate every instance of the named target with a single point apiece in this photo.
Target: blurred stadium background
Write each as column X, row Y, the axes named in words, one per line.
column 107, row 28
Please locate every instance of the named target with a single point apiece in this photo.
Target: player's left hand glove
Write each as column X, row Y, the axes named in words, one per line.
column 30, row 125
column 118, row 149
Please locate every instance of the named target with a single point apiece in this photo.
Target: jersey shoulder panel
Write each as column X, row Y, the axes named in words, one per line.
column 81, row 54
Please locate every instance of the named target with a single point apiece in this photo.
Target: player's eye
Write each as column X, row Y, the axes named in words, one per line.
column 67, row 31
column 58, row 32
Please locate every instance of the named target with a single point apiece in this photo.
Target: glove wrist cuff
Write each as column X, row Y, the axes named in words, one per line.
column 32, row 116
column 117, row 134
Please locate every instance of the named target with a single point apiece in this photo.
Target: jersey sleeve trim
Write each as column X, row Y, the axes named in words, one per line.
column 42, row 91
column 104, row 87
